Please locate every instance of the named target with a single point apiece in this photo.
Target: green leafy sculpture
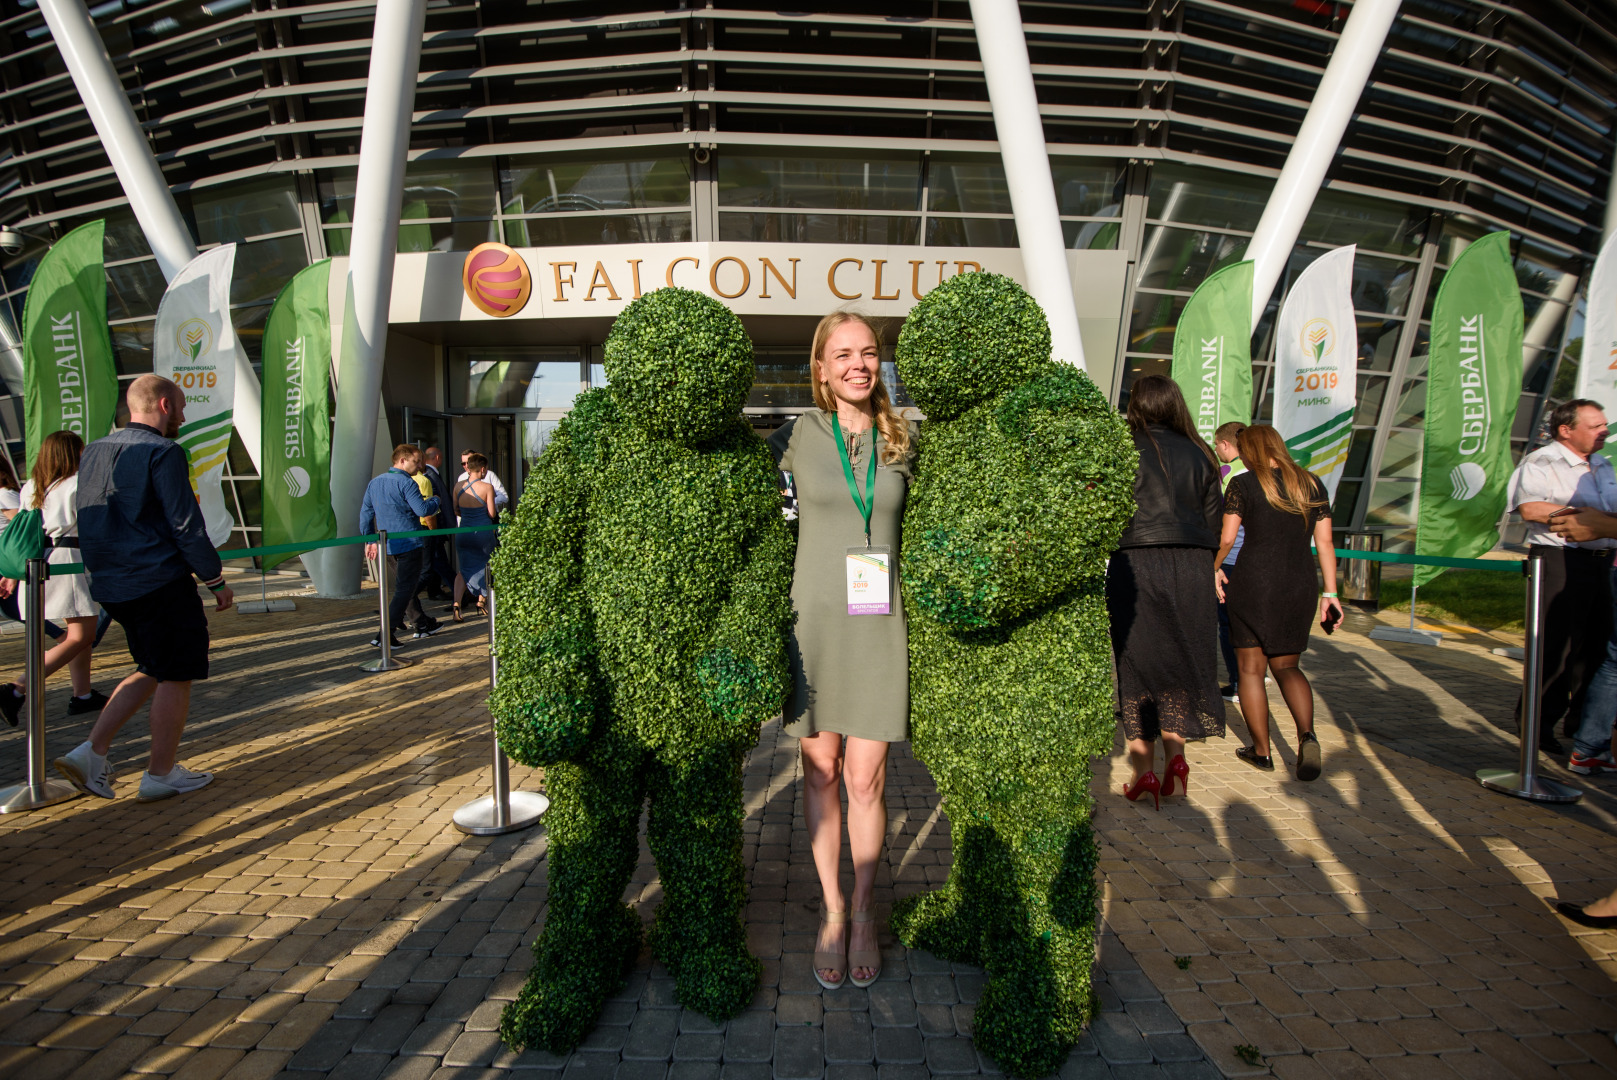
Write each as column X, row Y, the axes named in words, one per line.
column 1024, row 482
column 644, row 602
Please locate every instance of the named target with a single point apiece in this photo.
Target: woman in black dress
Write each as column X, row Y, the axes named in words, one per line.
column 1270, row 593
column 1164, row 617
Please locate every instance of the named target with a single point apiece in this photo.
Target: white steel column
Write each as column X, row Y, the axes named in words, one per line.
column 1340, row 88
column 1027, row 170
column 149, row 196
column 378, row 192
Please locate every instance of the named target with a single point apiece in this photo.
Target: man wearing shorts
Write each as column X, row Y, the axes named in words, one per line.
column 142, row 538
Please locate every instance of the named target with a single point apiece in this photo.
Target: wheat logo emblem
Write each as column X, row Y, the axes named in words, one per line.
column 1319, row 339
column 1468, row 479
column 297, row 481
column 194, row 337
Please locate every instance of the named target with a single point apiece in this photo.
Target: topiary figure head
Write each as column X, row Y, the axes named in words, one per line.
column 970, row 339
column 679, row 365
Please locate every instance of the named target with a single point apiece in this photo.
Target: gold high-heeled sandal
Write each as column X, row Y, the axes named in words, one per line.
column 863, row 958
column 833, row 961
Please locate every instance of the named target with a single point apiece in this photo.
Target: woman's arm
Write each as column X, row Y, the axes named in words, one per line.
column 488, row 500
column 1226, row 541
column 1325, row 546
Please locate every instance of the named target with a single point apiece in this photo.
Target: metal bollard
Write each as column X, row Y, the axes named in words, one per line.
column 37, row 791
column 387, row 661
column 1524, row 782
column 505, row 810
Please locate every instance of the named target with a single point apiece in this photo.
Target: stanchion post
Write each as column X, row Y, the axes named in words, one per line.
column 505, row 810
column 387, row 661
column 37, row 791
column 1524, row 782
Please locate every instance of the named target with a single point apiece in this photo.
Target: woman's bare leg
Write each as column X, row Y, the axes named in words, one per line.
column 864, row 772
column 822, row 807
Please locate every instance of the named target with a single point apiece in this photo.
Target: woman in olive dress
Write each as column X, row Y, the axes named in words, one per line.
column 849, row 463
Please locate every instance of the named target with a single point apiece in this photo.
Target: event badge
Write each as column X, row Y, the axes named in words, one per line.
column 870, row 581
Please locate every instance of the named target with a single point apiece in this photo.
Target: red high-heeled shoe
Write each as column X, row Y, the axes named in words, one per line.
column 1148, row 782
column 1177, row 768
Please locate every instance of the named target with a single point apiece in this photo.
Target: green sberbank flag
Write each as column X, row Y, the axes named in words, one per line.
column 1474, row 380
column 1212, row 350
column 70, row 382
column 297, row 415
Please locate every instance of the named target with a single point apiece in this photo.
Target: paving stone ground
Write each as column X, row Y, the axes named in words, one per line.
column 315, row 913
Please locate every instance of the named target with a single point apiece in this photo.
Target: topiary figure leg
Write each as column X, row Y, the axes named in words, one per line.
column 941, row 922
column 695, row 834
column 1039, row 901
column 590, row 935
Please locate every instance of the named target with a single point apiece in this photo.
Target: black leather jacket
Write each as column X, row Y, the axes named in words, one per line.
column 1177, row 494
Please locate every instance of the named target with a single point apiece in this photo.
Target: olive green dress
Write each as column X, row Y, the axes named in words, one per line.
column 850, row 673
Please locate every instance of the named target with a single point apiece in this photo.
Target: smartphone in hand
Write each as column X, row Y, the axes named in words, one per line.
column 1564, row 510
column 1332, row 619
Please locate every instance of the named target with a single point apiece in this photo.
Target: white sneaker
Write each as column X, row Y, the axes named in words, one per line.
column 87, row 771
column 177, row 782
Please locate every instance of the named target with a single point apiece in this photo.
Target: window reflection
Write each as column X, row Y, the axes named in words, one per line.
column 555, row 184
column 244, row 209
column 514, row 378
column 820, row 228
column 851, row 182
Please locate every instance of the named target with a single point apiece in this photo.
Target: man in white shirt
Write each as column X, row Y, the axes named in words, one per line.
column 1569, row 472
column 500, row 497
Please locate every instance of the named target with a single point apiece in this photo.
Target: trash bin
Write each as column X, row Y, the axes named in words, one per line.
column 1359, row 580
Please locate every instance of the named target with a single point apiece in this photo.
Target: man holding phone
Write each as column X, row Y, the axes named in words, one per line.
column 1569, row 473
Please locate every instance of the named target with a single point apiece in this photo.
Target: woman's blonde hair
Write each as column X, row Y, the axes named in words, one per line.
column 58, row 459
column 1295, row 492
column 895, row 430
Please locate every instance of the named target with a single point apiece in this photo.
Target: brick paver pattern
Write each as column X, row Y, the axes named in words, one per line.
column 314, row 911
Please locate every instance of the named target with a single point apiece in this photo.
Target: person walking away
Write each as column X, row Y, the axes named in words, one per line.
column 142, row 538
column 850, row 463
column 1271, row 595
column 393, row 503
column 1577, row 575
column 52, row 489
column 1228, row 456
column 501, row 500
column 474, row 503
column 1164, row 616
column 439, row 573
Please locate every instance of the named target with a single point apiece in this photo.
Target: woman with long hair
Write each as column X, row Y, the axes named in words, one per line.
column 474, row 505
column 52, row 487
column 1164, row 617
column 849, row 464
column 1270, row 593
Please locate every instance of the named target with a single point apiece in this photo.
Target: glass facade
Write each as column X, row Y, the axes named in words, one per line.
column 588, row 123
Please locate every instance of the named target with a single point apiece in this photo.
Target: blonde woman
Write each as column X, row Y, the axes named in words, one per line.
column 1270, row 592
column 849, row 463
column 51, row 489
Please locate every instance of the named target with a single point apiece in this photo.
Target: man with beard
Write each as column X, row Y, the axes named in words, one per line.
column 142, row 537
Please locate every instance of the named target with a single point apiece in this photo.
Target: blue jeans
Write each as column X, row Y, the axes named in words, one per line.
column 1600, row 700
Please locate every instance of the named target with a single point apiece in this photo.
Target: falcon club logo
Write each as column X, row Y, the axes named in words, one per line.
column 496, row 280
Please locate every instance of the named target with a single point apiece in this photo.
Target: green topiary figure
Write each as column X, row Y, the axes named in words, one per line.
column 1024, row 482
column 644, row 602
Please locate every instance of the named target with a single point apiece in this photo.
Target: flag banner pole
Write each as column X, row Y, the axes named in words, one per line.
column 1212, row 350
column 1317, row 367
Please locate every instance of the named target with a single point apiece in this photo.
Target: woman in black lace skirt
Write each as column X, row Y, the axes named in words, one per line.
column 1164, row 612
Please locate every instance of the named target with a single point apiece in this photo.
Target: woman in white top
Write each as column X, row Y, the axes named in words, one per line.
column 51, row 489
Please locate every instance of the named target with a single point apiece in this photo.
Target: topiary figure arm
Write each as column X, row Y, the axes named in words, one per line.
column 1046, row 492
column 550, row 691
column 743, row 674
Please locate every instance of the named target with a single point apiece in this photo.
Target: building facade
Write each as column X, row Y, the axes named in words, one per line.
column 619, row 146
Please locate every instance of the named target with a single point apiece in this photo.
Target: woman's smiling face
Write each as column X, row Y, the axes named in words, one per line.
column 850, row 363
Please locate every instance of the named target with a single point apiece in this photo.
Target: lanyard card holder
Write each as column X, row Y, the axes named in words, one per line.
column 870, row 580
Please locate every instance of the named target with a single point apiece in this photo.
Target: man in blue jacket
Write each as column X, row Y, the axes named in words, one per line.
column 142, row 538
column 393, row 503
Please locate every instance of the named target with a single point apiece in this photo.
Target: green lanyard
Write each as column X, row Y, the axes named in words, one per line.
column 847, row 474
